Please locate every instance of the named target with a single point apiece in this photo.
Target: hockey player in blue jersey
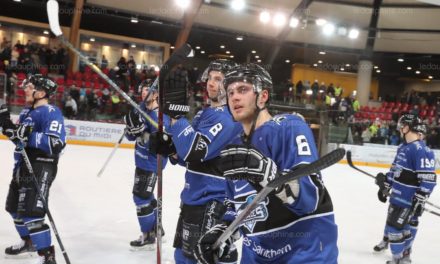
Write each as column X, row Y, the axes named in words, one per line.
column 197, row 144
column 295, row 224
column 139, row 130
column 40, row 130
column 410, row 180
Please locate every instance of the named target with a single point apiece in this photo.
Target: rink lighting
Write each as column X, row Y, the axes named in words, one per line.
column 315, row 65
column 417, row 72
column 197, row 47
column 228, row 52
column 400, row 60
column 237, row 5
column 328, row 29
column 239, row 38
column 202, row 52
column 279, row 20
column 133, row 45
column 172, row 47
column 222, row 46
column 378, row 71
column 376, row 67
column 232, row 56
column 258, row 60
column 430, row 77
column 257, row 57
column 92, row 39
column 294, row 22
column 309, row 92
column 134, row 20
column 353, row 34
column 342, row 31
column 287, row 61
column 322, row 53
column 320, row 22
column 320, row 61
column 18, row 1
column 347, row 65
column 264, row 17
column 254, row 51
column 183, row 3
column 46, row 32
column 409, row 68
column 342, row 69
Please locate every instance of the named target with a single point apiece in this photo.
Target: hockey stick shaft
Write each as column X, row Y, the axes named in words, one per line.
column 45, row 204
column 112, row 153
column 351, row 164
column 314, row 167
column 52, row 11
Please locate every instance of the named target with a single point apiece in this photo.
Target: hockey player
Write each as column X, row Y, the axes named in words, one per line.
column 411, row 180
column 40, row 130
column 295, row 224
column 139, row 129
column 197, row 144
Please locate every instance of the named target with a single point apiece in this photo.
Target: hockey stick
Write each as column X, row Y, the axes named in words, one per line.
column 45, row 204
column 350, row 163
column 52, row 12
column 178, row 57
column 320, row 164
column 113, row 153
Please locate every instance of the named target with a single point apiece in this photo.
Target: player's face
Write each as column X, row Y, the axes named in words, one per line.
column 241, row 101
column 144, row 92
column 214, row 84
column 29, row 92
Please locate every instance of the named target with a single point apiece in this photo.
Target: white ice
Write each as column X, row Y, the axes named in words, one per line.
column 96, row 217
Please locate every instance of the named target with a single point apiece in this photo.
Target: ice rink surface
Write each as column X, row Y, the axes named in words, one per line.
column 96, row 217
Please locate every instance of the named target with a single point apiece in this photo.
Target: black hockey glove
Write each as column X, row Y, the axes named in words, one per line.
column 175, row 94
column 239, row 162
column 21, row 132
column 418, row 204
column 226, row 253
column 384, row 187
column 162, row 143
column 135, row 123
column 5, row 115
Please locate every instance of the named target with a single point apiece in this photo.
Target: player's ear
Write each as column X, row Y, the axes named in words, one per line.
column 263, row 98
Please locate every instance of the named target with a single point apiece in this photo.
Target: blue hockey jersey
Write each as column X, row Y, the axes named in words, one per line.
column 303, row 232
column 47, row 122
column 413, row 170
column 197, row 145
column 143, row 158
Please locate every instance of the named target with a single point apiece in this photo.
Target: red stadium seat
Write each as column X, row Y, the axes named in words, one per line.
column 423, row 114
column 391, row 104
column 385, row 104
column 78, row 75
column 60, row 81
column 79, row 83
column 69, row 82
column 87, row 84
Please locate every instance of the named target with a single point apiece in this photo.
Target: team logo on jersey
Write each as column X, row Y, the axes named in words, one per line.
column 259, row 214
column 71, row 130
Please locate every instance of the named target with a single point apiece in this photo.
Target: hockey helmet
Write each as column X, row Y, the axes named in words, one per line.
column 250, row 73
column 414, row 123
column 41, row 83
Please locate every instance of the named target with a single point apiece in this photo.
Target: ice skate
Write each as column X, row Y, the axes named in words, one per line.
column 23, row 249
column 383, row 245
column 146, row 241
column 46, row 256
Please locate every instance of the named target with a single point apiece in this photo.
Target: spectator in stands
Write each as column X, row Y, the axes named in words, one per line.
column 104, row 62
column 14, row 57
column 92, row 105
column 115, row 104
column 394, row 139
column 299, row 90
column 331, row 90
column 19, row 46
column 338, row 91
column 366, row 135
column 4, row 44
column 415, row 111
column 74, row 92
column 374, row 128
column 356, row 105
column 70, row 108
column 315, row 91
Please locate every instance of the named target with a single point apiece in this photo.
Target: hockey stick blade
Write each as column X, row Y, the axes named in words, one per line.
column 314, row 167
column 350, row 163
column 52, row 13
